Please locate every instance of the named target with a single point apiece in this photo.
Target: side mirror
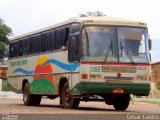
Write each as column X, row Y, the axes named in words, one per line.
column 74, row 48
column 150, row 44
column 74, row 41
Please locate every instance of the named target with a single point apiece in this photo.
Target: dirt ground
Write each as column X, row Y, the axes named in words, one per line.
column 16, row 106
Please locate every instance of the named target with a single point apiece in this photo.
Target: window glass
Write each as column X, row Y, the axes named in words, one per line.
column 31, row 45
column 11, row 50
column 20, row 48
column 66, row 36
column 59, row 38
column 14, row 48
column 34, row 44
column 43, row 42
column 50, row 40
column 99, row 44
column 132, row 44
column 25, row 46
column 47, row 41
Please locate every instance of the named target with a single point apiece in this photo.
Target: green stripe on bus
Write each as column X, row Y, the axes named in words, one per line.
column 106, row 88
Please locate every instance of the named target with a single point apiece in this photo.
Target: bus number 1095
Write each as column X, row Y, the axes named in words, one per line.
column 95, row 69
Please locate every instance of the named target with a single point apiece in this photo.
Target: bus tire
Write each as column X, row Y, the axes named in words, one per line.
column 36, row 100
column 69, row 102
column 29, row 99
column 121, row 102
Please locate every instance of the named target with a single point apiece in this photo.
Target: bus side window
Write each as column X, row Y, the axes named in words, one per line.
column 47, row 41
column 43, row 42
column 14, row 48
column 20, row 48
column 50, row 43
column 37, row 43
column 11, row 49
column 34, row 44
column 59, row 37
column 66, row 36
column 30, row 45
column 65, row 39
column 25, row 46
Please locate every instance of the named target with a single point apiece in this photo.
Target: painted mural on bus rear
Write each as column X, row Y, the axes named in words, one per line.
column 82, row 59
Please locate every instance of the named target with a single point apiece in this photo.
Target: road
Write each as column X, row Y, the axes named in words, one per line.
column 87, row 110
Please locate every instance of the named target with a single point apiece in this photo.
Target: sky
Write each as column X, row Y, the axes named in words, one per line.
column 27, row 15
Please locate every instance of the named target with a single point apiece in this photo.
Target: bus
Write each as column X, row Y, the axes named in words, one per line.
column 82, row 59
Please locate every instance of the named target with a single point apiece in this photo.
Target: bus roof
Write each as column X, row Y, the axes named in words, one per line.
column 88, row 20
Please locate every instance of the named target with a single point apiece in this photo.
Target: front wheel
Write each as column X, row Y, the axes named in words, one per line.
column 69, row 102
column 121, row 102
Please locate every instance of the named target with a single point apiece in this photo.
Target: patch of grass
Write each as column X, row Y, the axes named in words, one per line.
column 145, row 101
column 152, row 102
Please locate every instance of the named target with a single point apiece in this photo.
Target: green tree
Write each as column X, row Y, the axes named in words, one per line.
column 5, row 32
column 91, row 14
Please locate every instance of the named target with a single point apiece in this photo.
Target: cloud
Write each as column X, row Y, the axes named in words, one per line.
column 28, row 15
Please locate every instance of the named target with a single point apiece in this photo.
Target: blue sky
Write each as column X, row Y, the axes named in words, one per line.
column 28, row 15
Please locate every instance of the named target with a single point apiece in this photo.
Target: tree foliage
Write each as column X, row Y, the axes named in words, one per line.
column 5, row 32
column 91, row 14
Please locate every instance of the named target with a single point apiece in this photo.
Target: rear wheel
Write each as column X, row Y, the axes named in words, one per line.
column 69, row 102
column 121, row 102
column 36, row 100
column 30, row 99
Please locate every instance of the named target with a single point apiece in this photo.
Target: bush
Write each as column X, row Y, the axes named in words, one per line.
column 158, row 86
column 5, row 86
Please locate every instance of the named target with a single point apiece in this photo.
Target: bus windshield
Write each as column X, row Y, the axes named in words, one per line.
column 114, row 44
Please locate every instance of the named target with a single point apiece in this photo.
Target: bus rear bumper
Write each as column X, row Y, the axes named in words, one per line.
column 141, row 89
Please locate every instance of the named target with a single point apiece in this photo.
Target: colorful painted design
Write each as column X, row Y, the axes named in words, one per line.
column 67, row 67
column 45, row 83
column 42, row 83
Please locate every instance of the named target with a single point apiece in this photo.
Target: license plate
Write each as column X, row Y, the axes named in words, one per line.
column 118, row 90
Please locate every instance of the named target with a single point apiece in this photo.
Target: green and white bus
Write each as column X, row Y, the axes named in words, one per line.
column 80, row 59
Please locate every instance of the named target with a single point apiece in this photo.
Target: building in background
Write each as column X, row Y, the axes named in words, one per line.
column 155, row 72
column 3, row 70
column 155, row 80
